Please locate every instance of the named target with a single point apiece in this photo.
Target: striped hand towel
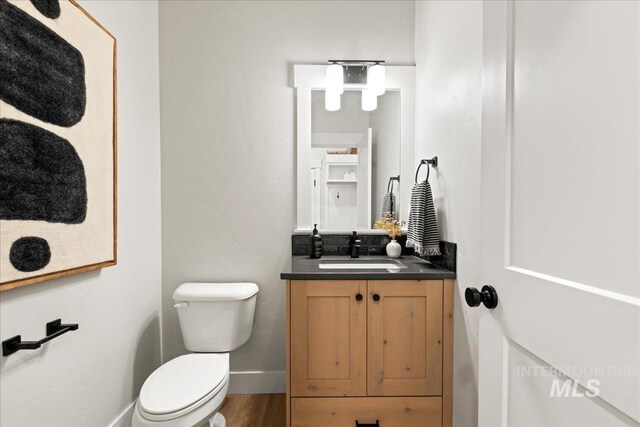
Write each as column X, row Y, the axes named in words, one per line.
column 389, row 207
column 422, row 232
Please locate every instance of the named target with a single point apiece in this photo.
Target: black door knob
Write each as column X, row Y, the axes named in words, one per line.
column 488, row 296
column 359, row 297
column 376, row 297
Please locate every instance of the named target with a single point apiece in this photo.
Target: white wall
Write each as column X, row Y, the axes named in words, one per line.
column 228, row 146
column 448, row 123
column 88, row 377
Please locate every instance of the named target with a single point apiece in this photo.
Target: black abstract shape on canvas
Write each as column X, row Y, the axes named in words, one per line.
column 41, row 176
column 49, row 8
column 41, row 74
column 30, row 254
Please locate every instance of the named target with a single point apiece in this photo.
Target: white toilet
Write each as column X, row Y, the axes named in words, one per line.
column 187, row 391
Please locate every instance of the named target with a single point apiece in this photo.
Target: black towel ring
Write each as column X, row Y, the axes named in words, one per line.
column 390, row 183
column 430, row 162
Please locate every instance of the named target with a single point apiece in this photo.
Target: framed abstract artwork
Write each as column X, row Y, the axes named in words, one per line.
column 58, row 169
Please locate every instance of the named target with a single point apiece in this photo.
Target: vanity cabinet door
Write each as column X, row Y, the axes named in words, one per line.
column 404, row 338
column 328, row 338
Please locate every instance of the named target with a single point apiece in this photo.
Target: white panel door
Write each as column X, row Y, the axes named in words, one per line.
column 341, row 206
column 365, row 180
column 560, row 214
column 314, row 190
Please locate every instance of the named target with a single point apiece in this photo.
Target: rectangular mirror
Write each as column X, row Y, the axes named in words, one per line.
column 346, row 159
column 353, row 155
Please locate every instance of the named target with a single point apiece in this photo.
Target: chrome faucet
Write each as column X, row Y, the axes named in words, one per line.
column 354, row 245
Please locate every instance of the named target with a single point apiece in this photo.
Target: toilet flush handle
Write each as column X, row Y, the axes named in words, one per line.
column 181, row 305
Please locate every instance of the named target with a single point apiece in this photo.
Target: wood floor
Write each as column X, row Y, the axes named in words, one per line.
column 254, row 410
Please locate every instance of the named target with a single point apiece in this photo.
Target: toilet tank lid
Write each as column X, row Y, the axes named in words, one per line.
column 215, row 291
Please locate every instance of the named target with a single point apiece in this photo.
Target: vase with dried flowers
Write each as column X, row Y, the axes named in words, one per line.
column 393, row 227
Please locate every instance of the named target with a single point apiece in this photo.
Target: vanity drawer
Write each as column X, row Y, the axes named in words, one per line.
column 344, row 411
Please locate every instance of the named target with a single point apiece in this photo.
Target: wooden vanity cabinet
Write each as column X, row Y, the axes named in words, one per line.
column 372, row 350
column 329, row 338
column 404, row 351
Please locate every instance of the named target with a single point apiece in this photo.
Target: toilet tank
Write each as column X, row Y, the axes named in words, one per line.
column 215, row 317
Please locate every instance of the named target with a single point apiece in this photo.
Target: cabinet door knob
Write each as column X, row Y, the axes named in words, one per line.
column 359, row 424
column 376, row 297
column 487, row 296
column 359, row 297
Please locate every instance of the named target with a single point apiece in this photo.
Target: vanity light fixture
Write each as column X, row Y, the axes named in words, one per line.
column 335, row 87
column 331, row 100
column 377, row 79
column 335, row 78
column 366, row 75
column 369, row 100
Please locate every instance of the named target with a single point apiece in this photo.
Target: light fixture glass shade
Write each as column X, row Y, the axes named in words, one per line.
column 335, row 78
column 331, row 100
column 369, row 100
column 376, row 80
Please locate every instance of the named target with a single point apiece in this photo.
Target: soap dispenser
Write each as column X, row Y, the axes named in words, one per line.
column 315, row 243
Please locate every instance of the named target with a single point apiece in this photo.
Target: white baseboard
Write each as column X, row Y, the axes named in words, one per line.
column 124, row 419
column 257, row 382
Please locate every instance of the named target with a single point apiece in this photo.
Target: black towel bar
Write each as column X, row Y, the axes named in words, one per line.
column 55, row 328
column 390, row 183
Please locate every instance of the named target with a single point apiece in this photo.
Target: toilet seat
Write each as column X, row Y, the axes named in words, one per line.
column 182, row 385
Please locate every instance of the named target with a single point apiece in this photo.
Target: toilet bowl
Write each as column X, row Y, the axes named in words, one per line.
column 188, row 391
column 184, row 392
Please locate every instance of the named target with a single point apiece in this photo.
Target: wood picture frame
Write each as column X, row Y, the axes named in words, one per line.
column 39, row 278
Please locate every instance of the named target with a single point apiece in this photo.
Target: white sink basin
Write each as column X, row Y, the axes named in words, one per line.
column 361, row 265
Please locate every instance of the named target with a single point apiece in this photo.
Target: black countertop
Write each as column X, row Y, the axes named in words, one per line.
column 304, row 268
